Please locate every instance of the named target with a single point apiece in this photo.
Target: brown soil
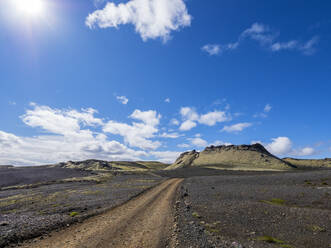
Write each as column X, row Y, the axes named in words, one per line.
column 145, row 221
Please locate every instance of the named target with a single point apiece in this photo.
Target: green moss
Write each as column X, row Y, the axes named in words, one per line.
column 276, row 201
column 286, row 246
column 316, row 228
column 270, row 239
column 73, row 214
column 196, row 215
column 7, row 203
column 213, row 230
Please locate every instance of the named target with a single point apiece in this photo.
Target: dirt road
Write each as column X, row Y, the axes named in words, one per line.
column 143, row 222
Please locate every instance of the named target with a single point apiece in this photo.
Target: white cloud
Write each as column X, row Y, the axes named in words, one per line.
column 261, row 33
column 67, row 138
column 267, row 38
column 232, row 46
column 149, row 117
column 98, row 3
column 220, row 143
column 306, row 151
column 212, row 49
column 212, row 118
column 267, row 108
column 183, row 145
column 187, row 125
column 278, row 46
column 167, row 100
column 152, row 18
column 174, row 122
column 264, row 114
column 283, row 146
column 309, row 47
column 139, row 133
column 122, row 99
column 165, row 156
column 257, row 142
column 198, row 142
column 64, row 122
column 280, row 146
column 191, row 118
column 170, row 135
column 215, row 49
column 236, row 127
column 189, row 113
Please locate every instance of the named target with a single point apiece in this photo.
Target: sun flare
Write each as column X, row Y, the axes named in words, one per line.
column 31, row 8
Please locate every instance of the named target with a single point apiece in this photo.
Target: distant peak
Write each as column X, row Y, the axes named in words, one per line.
column 255, row 147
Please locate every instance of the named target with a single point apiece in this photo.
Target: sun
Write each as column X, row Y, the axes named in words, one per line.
column 32, row 8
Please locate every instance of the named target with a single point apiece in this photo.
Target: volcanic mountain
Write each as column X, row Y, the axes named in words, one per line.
column 242, row 157
column 309, row 163
column 101, row 165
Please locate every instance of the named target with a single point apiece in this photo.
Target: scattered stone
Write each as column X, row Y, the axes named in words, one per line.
column 4, row 223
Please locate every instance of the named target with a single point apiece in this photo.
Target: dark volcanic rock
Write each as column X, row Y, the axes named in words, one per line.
column 90, row 164
column 255, row 147
column 243, row 157
column 6, row 166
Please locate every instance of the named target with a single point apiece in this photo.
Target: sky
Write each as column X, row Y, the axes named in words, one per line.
column 149, row 79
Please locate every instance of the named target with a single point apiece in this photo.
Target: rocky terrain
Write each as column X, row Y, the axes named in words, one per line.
column 6, row 166
column 225, row 196
column 100, row 165
column 309, row 163
column 287, row 209
column 243, row 157
column 145, row 221
column 37, row 200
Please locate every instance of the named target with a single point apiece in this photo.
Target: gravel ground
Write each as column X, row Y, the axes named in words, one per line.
column 285, row 210
column 31, row 175
column 229, row 209
column 29, row 212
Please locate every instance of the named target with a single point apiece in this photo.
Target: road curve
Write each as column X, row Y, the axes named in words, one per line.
column 143, row 222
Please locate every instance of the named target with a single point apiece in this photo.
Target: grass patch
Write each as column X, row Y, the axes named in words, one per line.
column 270, row 239
column 286, row 246
column 276, row 201
column 20, row 200
column 196, row 215
column 317, row 229
column 213, row 227
column 73, row 214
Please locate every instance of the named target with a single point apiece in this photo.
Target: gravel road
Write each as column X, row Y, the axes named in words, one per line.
column 145, row 221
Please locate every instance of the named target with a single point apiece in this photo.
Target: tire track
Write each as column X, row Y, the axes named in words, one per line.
column 144, row 222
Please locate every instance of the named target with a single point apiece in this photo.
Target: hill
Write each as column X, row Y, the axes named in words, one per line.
column 242, row 157
column 309, row 163
column 6, row 166
column 101, row 165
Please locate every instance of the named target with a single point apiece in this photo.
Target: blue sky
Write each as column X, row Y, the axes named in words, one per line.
column 147, row 79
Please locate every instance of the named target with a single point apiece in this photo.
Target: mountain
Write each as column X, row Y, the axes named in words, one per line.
column 6, row 166
column 93, row 164
column 242, row 157
column 309, row 163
